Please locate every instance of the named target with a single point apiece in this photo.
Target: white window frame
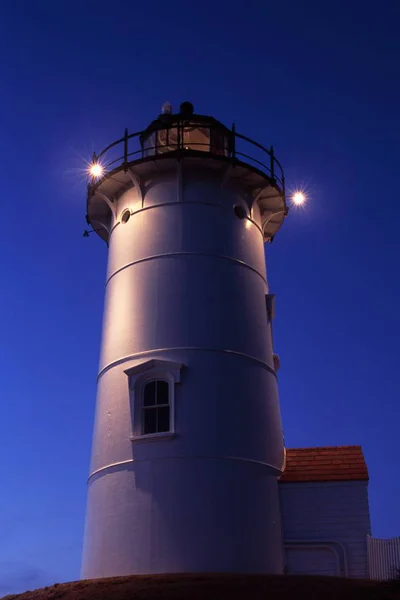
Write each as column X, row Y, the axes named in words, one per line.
column 138, row 376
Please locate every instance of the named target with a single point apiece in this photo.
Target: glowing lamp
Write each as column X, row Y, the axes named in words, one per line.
column 96, row 170
column 298, row 198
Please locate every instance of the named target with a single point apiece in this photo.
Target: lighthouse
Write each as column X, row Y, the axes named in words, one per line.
column 187, row 443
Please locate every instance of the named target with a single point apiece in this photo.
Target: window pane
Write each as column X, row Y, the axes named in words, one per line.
column 163, row 418
column 218, row 143
column 149, row 395
column 150, row 420
column 196, row 138
column 148, row 145
column 162, row 392
column 167, row 140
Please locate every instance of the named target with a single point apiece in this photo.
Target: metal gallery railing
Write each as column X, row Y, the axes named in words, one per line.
column 221, row 141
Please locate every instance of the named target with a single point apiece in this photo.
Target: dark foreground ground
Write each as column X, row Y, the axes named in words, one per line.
column 217, row 587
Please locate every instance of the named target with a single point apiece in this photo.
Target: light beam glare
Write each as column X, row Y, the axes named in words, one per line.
column 298, row 198
column 96, row 170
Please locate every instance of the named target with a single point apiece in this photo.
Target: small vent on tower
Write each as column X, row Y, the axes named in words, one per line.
column 240, row 211
column 270, row 304
column 126, row 215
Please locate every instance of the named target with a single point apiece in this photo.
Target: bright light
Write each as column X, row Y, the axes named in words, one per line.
column 96, row 170
column 298, row 198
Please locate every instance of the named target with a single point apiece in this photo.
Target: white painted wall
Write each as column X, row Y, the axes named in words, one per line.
column 336, row 514
column 186, row 283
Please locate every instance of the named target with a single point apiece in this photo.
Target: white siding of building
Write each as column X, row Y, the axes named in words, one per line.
column 320, row 560
column 335, row 514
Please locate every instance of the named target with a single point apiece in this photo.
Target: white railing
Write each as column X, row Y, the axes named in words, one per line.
column 383, row 558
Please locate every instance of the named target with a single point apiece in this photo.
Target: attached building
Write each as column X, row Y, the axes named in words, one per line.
column 325, row 512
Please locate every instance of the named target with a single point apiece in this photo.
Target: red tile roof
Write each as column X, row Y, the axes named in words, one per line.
column 334, row 463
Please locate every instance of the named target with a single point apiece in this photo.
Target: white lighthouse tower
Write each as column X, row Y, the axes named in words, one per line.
column 187, row 443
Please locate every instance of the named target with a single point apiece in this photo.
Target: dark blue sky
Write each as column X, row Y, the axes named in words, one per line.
column 320, row 81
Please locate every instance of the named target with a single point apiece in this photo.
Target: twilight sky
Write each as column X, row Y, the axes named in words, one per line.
column 320, row 81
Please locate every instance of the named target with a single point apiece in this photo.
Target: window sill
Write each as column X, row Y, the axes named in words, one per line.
column 153, row 437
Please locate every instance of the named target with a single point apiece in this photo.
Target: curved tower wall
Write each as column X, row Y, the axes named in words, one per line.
column 186, row 284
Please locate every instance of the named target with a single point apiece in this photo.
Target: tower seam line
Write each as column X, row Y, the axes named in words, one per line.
column 124, row 359
column 133, row 461
column 170, row 254
column 191, row 202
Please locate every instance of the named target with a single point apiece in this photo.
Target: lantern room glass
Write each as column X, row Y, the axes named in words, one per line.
column 188, row 137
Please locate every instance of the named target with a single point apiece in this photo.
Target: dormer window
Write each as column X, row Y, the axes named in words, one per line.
column 152, row 398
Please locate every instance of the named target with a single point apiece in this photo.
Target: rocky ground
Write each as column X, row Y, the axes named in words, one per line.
column 216, row 587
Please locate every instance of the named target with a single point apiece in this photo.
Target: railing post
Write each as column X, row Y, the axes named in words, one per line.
column 126, row 151
column 179, row 131
column 233, row 149
column 272, row 162
column 90, row 178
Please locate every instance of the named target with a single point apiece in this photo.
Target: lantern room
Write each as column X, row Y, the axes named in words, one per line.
column 185, row 131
